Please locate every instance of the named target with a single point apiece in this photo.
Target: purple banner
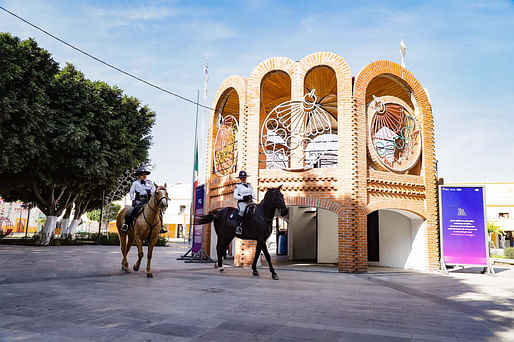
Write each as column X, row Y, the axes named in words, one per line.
column 464, row 236
column 198, row 210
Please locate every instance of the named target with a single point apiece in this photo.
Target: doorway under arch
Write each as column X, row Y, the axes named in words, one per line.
column 396, row 238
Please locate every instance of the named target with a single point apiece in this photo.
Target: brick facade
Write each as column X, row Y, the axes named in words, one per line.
column 358, row 184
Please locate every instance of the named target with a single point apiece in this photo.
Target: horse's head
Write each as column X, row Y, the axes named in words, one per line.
column 161, row 196
column 277, row 200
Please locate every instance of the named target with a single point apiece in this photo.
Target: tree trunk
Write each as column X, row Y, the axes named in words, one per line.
column 64, row 227
column 73, row 226
column 65, row 230
column 48, row 230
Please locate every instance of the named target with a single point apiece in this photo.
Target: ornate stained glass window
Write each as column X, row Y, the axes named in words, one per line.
column 394, row 135
column 225, row 146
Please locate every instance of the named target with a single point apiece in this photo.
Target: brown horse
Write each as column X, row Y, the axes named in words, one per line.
column 145, row 227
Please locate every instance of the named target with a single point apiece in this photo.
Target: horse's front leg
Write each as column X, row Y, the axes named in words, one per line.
column 151, row 244
column 124, row 251
column 258, row 249
column 274, row 274
column 140, row 254
column 219, row 251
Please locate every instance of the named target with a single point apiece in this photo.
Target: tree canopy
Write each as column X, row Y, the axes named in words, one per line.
column 64, row 139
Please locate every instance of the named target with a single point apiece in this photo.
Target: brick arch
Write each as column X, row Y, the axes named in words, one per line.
column 415, row 208
column 374, row 69
column 333, row 61
column 430, row 209
column 253, row 101
column 239, row 85
column 284, row 64
column 370, row 71
column 331, row 205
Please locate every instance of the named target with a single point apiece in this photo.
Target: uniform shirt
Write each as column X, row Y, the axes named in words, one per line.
column 141, row 187
column 243, row 189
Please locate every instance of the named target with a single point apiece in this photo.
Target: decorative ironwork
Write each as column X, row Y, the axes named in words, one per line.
column 124, row 183
column 394, row 134
column 297, row 134
column 225, row 146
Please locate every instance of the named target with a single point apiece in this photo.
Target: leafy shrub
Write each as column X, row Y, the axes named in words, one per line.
column 509, row 253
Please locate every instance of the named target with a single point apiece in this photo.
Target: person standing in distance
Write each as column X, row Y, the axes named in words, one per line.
column 244, row 195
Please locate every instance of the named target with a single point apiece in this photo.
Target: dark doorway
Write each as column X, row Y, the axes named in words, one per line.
column 373, row 252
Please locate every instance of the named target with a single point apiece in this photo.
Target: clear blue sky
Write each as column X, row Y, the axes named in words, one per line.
column 461, row 51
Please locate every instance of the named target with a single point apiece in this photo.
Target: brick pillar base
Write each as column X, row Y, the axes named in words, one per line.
column 245, row 252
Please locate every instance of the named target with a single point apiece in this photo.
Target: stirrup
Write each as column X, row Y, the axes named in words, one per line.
column 163, row 230
column 239, row 230
column 124, row 227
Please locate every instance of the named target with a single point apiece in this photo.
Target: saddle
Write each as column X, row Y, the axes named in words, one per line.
column 248, row 214
column 134, row 213
column 249, row 211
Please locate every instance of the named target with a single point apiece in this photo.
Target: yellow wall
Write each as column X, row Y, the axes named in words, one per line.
column 172, row 230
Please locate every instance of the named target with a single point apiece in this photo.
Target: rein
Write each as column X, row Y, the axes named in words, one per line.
column 153, row 209
column 268, row 220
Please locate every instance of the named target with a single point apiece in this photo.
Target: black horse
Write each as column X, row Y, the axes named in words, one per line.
column 258, row 227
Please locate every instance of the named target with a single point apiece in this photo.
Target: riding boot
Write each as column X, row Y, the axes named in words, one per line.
column 239, row 228
column 128, row 219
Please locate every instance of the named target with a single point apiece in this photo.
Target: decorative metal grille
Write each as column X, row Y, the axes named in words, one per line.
column 297, row 135
column 394, row 134
column 225, row 146
column 124, row 183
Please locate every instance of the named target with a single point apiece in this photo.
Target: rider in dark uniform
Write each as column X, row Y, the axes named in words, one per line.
column 140, row 192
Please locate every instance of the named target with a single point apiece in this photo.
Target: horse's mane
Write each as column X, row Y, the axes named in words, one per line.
column 268, row 192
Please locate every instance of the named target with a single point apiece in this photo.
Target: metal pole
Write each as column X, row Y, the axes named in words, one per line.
column 28, row 218
column 20, row 222
column 195, row 152
column 101, row 216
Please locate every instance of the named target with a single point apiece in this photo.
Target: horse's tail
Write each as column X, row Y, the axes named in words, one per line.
column 203, row 219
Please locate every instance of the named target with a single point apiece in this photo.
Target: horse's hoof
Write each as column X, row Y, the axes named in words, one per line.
column 222, row 270
column 135, row 268
column 125, row 269
column 215, row 265
column 275, row 277
column 255, row 273
column 149, row 275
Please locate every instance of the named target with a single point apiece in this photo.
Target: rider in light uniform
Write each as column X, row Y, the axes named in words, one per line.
column 244, row 195
column 140, row 192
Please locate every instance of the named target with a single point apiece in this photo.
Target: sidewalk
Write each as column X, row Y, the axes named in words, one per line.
column 78, row 293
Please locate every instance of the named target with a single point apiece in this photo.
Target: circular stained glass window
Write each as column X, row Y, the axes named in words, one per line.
column 394, row 141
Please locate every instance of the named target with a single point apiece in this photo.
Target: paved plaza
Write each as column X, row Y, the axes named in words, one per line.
column 78, row 293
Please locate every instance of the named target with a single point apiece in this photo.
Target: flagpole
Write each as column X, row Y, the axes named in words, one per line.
column 195, row 163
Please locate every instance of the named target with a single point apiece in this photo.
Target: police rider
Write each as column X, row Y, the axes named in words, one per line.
column 140, row 193
column 244, row 195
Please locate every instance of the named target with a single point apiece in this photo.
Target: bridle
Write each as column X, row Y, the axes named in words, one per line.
column 161, row 208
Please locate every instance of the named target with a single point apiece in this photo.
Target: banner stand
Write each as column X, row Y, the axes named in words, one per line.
column 198, row 253
column 200, row 256
column 459, row 207
column 186, row 256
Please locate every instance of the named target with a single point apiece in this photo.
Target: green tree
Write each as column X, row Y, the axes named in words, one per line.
column 82, row 137
column 94, row 215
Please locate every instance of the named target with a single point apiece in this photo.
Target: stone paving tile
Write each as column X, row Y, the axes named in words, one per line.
column 149, row 337
column 308, row 333
column 223, row 335
column 173, row 329
column 350, row 337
